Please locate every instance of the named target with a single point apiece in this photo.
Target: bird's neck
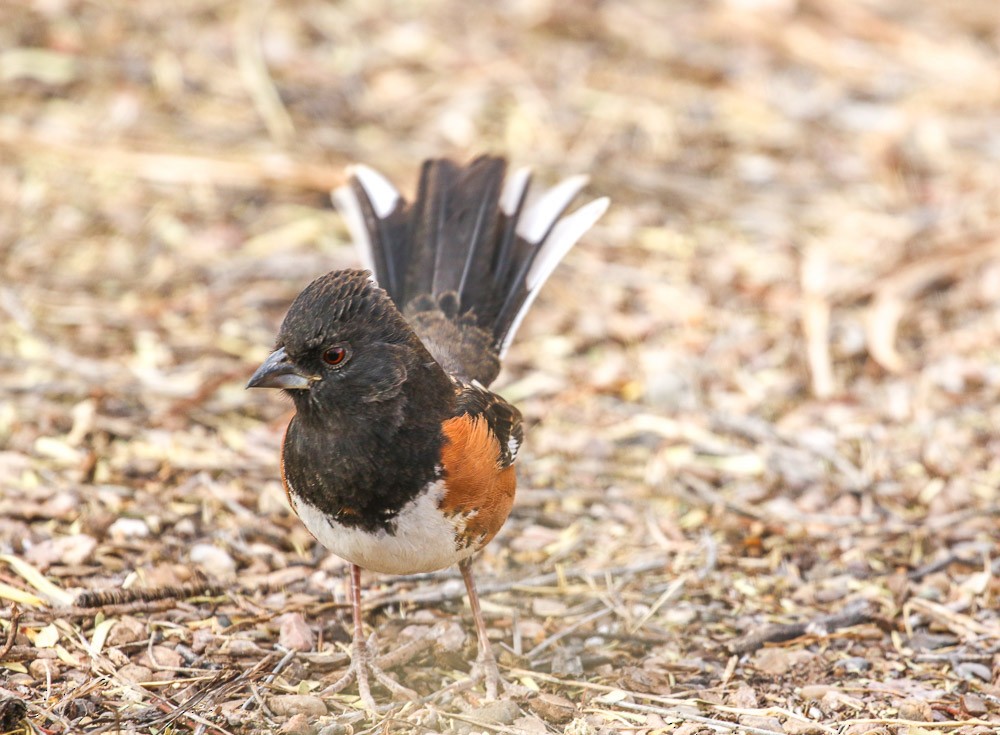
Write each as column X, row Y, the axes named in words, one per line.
column 363, row 467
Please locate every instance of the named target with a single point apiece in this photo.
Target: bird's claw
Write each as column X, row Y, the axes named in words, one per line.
column 363, row 663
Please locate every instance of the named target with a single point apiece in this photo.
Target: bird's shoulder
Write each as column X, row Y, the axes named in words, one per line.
column 481, row 441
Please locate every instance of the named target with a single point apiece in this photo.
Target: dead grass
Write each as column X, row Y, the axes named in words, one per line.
column 760, row 487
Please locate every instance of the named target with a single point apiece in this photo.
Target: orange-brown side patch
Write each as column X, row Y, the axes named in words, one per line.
column 474, row 483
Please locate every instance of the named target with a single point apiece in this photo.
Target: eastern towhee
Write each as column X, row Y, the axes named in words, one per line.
column 398, row 458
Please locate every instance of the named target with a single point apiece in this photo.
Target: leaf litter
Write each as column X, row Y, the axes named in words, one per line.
column 759, row 492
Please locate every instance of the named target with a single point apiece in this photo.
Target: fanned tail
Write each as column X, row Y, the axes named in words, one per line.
column 474, row 245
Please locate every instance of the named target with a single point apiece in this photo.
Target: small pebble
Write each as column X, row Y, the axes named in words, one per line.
column 745, row 697
column 794, row 726
column 566, row 663
column 974, row 704
column 75, row 708
column 243, row 648
column 186, row 654
column 553, row 708
column 298, row 725
column 135, row 673
column 916, row 709
column 448, row 636
column 41, row 669
column 127, row 630
column 529, row 725
column 286, row 705
column 691, row 728
column 295, row 634
column 215, row 561
column 161, row 657
column 761, row 722
column 425, row 617
column 971, row 670
column 201, row 640
column 836, row 701
column 492, row 713
column 864, row 728
column 185, row 527
column 779, row 661
column 67, row 550
column 852, row 665
column 815, row 691
column 545, row 607
column 125, row 528
column 335, row 728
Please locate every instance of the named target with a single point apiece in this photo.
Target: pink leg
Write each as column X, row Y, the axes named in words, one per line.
column 362, row 657
column 486, row 661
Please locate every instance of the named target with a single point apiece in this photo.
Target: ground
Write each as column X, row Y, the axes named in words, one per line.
column 759, row 487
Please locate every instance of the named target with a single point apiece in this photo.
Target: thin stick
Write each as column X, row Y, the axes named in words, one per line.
column 15, row 617
column 289, row 655
column 446, row 593
column 236, row 170
column 816, row 322
column 566, row 631
column 253, row 69
column 693, row 717
column 658, row 698
column 856, row 613
column 102, row 598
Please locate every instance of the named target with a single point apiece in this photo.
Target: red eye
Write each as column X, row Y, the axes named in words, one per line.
column 335, row 356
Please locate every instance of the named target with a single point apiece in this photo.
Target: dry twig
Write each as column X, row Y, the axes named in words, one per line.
column 893, row 292
column 856, row 613
column 103, row 598
column 15, row 617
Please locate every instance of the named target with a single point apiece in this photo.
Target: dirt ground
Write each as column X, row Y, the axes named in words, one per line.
column 759, row 489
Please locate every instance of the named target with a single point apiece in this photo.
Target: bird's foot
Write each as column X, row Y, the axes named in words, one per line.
column 485, row 670
column 363, row 663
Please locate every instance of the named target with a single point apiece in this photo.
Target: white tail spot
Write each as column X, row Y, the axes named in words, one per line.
column 539, row 215
column 380, row 191
column 349, row 207
column 565, row 235
column 513, row 189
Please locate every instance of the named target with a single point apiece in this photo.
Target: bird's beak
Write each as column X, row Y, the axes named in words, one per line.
column 277, row 371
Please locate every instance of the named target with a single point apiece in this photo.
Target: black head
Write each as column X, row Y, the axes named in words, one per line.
column 343, row 345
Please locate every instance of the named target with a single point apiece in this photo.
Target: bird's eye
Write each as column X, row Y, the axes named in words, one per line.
column 335, row 356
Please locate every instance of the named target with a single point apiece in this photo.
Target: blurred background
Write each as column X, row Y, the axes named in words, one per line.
column 774, row 365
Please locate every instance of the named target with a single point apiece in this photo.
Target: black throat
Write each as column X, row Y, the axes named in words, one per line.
column 362, row 466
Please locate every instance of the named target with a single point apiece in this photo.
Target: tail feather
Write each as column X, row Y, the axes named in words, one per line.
column 470, row 239
column 564, row 235
column 375, row 215
column 536, row 223
column 512, row 202
column 476, row 226
column 467, row 231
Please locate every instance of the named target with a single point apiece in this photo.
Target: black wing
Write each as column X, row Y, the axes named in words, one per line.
column 502, row 418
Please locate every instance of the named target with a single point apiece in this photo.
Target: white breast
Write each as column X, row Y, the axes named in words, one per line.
column 424, row 538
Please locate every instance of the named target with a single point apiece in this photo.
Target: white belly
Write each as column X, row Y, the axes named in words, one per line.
column 424, row 540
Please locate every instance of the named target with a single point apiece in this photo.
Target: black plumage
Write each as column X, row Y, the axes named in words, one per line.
column 453, row 261
column 399, row 459
column 366, row 437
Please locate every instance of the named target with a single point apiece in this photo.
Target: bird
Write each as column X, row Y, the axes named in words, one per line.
column 399, row 459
